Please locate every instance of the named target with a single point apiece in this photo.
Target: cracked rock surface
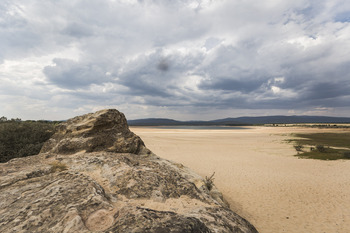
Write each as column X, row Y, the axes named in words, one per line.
column 94, row 175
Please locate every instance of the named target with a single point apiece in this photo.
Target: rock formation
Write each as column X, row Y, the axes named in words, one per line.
column 94, row 175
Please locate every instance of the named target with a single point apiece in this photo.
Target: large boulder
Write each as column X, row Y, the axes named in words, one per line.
column 113, row 184
column 105, row 130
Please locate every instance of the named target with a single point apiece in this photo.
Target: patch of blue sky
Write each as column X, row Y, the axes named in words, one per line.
column 343, row 17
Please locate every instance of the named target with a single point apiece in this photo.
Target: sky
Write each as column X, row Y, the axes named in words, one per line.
column 179, row 59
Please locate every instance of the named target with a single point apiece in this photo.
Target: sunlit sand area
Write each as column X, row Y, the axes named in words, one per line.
column 259, row 175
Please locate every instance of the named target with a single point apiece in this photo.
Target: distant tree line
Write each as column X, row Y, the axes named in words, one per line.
column 23, row 138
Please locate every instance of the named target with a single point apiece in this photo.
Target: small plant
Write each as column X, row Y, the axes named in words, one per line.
column 299, row 148
column 346, row 154
column 209, row 182
column 321, row 148
column 57, row 166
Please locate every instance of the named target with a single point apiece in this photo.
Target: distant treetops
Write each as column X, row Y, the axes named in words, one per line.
column 23, row 138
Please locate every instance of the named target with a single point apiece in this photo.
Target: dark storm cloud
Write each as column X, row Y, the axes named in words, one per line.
column 154, row 75
column 327, row 90
column 244, row 85
column 71, row 75
column 163, row 65
column 77, row 30
column 144, row 85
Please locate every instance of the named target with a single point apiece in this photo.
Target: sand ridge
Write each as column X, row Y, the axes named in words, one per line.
column 256, row 171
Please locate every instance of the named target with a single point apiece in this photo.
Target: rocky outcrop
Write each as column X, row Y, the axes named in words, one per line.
column 105, row 130
column 94, row 175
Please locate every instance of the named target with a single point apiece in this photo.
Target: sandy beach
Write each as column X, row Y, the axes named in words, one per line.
column 261, row 179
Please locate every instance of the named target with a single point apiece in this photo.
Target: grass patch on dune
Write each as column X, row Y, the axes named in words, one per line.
column 328, row 154
column 324, row 146
column 327, row 139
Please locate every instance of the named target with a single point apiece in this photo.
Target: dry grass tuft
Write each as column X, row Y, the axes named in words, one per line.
column 57, row 166
column 209, row 182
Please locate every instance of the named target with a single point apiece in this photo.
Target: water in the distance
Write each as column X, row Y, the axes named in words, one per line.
column 199, row 127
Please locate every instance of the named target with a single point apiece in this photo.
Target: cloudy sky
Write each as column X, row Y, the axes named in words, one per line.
column 181, row 59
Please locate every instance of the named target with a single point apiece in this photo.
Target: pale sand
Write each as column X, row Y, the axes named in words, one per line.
column 259, row 176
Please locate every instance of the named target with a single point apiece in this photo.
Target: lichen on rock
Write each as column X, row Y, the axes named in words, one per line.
column 95, row 175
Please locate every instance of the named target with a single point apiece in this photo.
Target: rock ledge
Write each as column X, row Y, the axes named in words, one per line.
column 94, row 175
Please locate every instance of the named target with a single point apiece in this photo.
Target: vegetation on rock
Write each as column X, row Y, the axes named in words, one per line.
column 57, row 166
column 209, row 181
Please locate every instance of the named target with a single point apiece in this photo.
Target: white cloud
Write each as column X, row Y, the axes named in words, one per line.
column 174, row 57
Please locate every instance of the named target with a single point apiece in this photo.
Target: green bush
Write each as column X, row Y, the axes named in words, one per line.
column 23, row 138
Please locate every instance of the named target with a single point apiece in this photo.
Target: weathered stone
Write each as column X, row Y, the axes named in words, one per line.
column 147, row 220
column 89, row 188
column 105, row 130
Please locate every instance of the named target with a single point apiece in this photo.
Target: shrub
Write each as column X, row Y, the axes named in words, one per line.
column 23, row 138
column 346, row 154
column 321, row 148
column 298, row 148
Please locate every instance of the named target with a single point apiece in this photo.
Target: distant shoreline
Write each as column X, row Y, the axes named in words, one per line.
column 226, row 127
column 194, row 127
column 243, row 121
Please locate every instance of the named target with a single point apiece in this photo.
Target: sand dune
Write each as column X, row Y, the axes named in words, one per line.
column 259, row 176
